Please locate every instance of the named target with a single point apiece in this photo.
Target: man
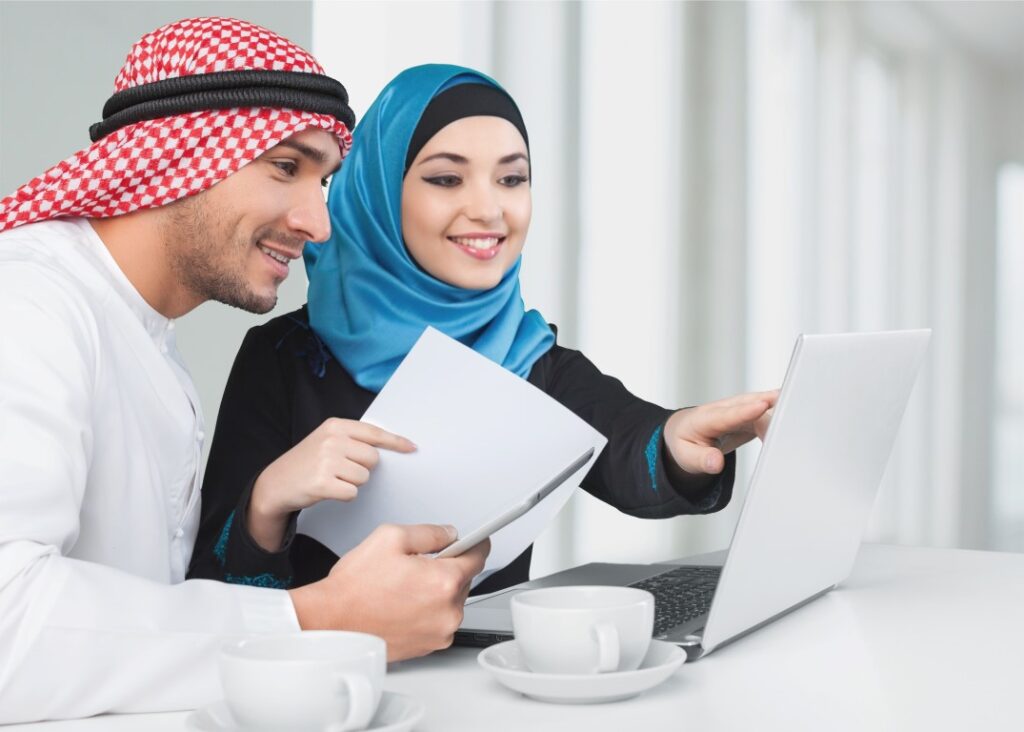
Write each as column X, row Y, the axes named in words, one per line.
column 203, row 182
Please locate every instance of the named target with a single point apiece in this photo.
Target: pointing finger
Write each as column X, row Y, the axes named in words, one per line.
column 714, row 423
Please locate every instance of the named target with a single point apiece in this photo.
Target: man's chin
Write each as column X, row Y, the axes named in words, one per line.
column 250, row 303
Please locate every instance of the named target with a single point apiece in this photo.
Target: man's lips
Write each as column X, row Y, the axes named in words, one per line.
column 279, row 259
column 282, row 257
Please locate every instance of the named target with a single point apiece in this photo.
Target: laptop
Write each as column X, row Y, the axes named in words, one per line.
column 807, row 506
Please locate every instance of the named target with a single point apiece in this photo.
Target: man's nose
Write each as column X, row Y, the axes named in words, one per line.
column 308, row 216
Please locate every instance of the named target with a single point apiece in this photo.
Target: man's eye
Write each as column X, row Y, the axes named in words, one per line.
column 288, row 167
column 445, row 181
column 511, row 181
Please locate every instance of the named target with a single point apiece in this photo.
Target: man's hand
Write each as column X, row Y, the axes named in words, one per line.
column 386, row 587
column 331, row 463
column 699, row 438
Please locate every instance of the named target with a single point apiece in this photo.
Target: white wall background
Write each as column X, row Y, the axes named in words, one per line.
column 714, row 178
column 710, row 180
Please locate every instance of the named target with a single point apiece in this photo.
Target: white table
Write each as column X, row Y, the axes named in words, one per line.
column 916, row 639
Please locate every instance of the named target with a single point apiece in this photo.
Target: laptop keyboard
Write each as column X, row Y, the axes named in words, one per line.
column 680, row 595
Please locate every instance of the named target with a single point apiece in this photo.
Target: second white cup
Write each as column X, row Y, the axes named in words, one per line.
column 583, row 630
column 322, row 681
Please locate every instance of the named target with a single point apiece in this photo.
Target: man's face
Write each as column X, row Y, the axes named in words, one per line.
column 233, row 243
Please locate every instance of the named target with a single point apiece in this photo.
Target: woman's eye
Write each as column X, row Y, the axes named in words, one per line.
column 512, row 181
column 445, row 181
column 288, row 167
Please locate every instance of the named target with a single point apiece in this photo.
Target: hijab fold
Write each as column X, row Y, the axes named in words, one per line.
column 369, row 301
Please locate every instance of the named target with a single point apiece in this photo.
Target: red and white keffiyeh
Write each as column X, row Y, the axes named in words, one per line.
column 155, row 162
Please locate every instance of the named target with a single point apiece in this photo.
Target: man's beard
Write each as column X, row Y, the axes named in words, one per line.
column 209, row 259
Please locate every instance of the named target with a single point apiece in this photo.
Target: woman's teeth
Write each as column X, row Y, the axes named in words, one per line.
column 274, row 255
column 476, row 242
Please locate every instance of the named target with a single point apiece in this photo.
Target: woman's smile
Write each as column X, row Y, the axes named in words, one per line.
column 480, row 246
column 466, row 202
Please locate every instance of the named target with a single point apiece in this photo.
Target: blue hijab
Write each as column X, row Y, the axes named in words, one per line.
column 368, row 299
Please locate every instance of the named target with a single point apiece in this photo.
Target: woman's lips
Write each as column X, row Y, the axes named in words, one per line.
column 479, row 247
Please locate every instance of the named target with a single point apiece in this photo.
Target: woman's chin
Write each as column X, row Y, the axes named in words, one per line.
column 478, row 276
column 476, row 282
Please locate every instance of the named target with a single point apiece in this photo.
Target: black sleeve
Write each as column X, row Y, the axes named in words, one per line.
column 630, row 473
column 252, row 431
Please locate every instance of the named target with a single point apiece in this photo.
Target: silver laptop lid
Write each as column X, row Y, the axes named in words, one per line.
column 806, row 510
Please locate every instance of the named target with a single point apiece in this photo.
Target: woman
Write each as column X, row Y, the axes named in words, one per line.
column 429, row 216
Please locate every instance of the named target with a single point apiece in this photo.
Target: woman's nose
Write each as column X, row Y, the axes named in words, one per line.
column 483, row 204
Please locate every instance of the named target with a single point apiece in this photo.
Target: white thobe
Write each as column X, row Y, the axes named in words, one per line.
column 100, row 441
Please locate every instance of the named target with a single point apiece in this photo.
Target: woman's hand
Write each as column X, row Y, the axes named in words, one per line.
column 330, row 463
column 699, row 438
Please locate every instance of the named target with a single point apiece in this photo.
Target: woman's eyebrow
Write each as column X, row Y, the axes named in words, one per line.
column 447, row 156
column 461, row 160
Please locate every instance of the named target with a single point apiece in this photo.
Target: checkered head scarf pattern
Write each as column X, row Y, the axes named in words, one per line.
column 155, row 162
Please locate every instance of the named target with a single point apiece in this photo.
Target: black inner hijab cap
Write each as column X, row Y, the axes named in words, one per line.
column 463, row 100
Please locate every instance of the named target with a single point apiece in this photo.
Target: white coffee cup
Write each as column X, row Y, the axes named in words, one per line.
column 583, row 630
column 322, row 681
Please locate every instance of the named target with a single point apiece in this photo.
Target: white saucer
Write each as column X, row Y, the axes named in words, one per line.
column 396, row 713
column 505, row 663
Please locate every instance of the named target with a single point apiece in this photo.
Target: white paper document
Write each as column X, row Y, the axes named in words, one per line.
column 485, row 437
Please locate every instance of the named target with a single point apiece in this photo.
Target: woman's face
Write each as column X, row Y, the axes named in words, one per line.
column 466, row 202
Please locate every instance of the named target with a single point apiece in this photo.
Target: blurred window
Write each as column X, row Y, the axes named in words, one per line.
column 1008, row 428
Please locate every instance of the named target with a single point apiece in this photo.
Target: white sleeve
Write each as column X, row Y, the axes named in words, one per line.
column 79, row 638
